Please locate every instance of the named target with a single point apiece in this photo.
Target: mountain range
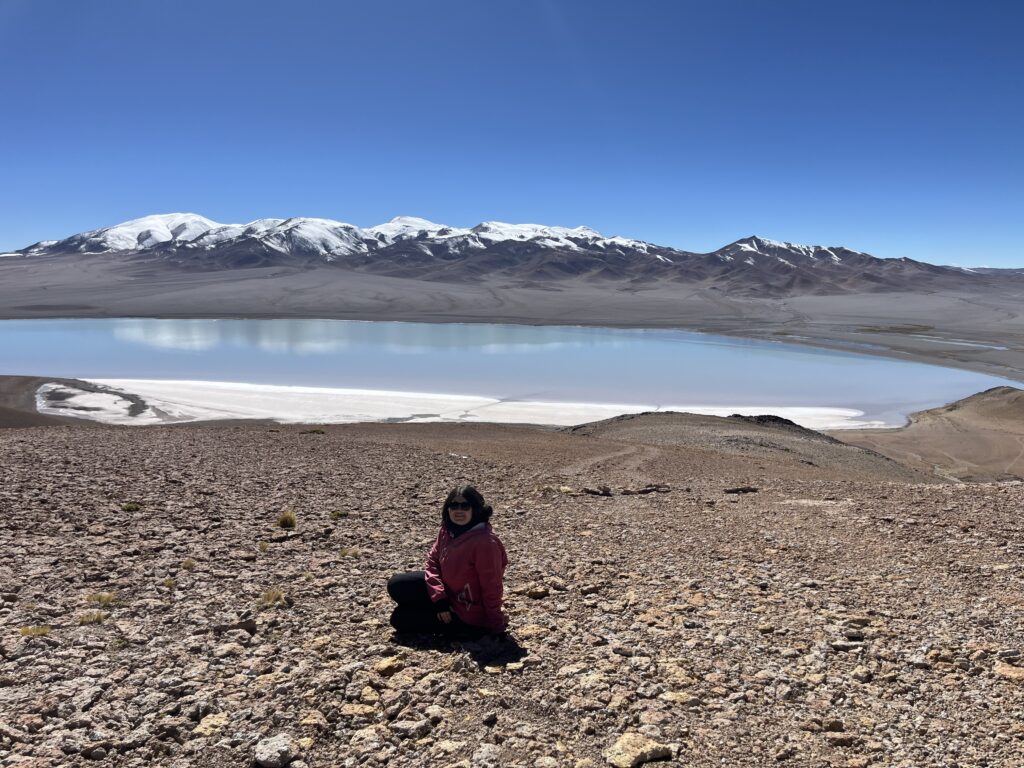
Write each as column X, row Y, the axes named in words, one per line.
column 522, row 255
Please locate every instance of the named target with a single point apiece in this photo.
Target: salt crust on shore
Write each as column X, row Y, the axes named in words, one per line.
column 188, row 401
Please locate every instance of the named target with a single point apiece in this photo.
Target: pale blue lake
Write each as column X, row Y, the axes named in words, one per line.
column 509, row 362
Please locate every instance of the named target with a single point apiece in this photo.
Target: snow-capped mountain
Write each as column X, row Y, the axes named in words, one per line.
column 519, row 254
column 322, row 236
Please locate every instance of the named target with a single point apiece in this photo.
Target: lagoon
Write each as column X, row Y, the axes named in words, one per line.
column 481, row 365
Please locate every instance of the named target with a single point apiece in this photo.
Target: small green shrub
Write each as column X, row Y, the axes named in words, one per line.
column 92, row 617
column 188, row 564
column 36, row 631
column 264, row 546
column 170, row 583
column 130, row 506
column 286, row 519
column 101, row 598
column 339, row 514
column 349, row 552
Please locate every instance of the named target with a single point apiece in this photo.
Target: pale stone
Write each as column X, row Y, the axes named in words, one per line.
column 211, row 724
column 448, row 746
column 356, row 710
column 633, row 749
column 314, row 718
column 389, row 666
column 228, row 649
column 1010, row 672
column 276, row 751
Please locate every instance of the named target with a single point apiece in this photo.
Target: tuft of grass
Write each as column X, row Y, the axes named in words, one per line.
column 286, row 519
column 349, row 552
column 188, row 564
column 35, row 631
column 170, row 583
column 130, row 506
column 339, row 514
column 270, row 598
column 92, row 617
column 101, row 598
column 264, row 546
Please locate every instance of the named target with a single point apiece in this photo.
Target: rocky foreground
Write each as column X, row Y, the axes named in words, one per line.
column 751, row 606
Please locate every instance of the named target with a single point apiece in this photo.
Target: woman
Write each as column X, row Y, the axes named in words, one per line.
column 459, row 591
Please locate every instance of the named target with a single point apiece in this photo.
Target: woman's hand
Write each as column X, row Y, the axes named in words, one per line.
column 445, row 616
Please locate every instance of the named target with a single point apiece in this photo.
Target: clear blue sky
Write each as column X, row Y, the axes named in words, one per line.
column 891, row 127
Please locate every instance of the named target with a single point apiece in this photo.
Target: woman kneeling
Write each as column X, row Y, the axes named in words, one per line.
column 459, row 591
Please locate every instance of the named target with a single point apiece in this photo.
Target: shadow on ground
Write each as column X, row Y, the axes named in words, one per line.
column 485, row 651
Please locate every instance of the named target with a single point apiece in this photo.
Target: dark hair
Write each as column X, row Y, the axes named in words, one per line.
column 481, row 510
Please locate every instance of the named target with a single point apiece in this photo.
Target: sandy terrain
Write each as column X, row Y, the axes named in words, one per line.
column 922, row 327
column 979, row 438
column 847, row 612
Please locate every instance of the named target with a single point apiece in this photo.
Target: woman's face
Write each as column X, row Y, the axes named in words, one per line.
column 460, row 511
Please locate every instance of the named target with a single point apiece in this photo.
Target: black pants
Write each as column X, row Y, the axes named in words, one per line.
column 416, row 613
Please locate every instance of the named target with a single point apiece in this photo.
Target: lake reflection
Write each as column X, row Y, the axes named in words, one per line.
column 327, row 336
column 507, row 362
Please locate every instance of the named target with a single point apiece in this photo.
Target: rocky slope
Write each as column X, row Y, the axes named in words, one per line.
column 818, row 620
column 525, row 255
column 979, row 438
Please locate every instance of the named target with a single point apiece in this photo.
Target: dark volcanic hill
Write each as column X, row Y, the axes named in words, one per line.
column 525, row 255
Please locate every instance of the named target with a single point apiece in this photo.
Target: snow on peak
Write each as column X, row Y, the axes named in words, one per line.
column 330, row 238
column 764, row 242
column 764, row 246
column 408, row 227
column 768, row 242
column 326, row 235
column 149, row 231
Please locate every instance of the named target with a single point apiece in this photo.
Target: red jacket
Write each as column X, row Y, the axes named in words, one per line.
column 468, row 571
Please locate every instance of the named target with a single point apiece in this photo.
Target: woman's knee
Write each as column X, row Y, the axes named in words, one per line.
column 408, row 586
column 409, row 619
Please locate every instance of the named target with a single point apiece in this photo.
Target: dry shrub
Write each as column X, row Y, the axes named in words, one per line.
column 270, row 598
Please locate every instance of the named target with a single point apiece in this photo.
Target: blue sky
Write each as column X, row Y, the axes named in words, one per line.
column 890, row 127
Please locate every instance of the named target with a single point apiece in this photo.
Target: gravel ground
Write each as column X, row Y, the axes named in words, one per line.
column 829, row 618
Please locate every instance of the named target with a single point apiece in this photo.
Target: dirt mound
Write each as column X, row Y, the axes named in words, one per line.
column 769, row 440
column 979, row 438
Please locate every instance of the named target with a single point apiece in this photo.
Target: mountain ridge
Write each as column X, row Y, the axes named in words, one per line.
column 416, row 248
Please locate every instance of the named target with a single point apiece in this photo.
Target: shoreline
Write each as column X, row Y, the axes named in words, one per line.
column 152, row 402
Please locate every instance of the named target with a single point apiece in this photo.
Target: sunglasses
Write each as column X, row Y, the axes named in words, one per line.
column 459, row 505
